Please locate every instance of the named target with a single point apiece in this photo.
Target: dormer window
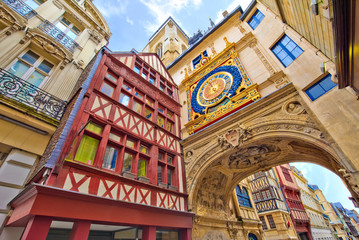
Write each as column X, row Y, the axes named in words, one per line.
column 197, row 60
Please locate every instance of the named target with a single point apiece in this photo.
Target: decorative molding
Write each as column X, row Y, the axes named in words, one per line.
column 58, row 4
column 95, row 36
column 253, row 45
column 10, row 185
column 20, row 164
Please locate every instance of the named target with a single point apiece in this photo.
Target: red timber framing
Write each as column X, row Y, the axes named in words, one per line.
column 121, row 163
column 291, row 194
column 138, row 122
column 38, row 205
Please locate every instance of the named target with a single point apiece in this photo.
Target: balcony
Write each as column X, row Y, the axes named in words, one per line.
column 54, row 32
column 270, row 204
column 14, row 89
column 21, row 8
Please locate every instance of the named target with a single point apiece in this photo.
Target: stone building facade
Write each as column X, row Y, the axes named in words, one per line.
column 45, row 46
column 319, row 228
column 120, row 157
column 271, row 206
column 252, row 99
column 168, row 42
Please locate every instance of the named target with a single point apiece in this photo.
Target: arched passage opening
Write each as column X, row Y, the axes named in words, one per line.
column 271, row 132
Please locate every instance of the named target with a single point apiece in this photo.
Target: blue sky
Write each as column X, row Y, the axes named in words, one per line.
column 331, row 185
column 132, row 23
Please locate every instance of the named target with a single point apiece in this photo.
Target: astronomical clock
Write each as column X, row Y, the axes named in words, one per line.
column 217, row 87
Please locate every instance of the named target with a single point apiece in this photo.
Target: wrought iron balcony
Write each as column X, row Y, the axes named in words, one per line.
column 61, row 37
column 19, row 90
column 21, row 8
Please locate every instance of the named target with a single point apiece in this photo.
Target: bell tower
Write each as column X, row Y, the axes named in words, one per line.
column 169, row 41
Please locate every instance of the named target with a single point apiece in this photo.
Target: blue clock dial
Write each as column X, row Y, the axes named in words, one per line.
column 214, row 87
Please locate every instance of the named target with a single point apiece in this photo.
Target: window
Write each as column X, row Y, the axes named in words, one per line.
column 159, row 50
column 320, row 87
column 197, row 60
column 251, row 236
column 109, row 84
column 243, row 197
column 31, row 67
column 271, row 222
column 137, row 101
column 264, row 224
column 86, row 151
column 256, row 19
column 287, row 174
column 166, row 168
column 67, row 28
column 122, row 153
column 165, row 118
column 34, row 3
column 322, row 207
column 286, row 50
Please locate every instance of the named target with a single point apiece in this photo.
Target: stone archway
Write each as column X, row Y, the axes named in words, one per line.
column 276, row 130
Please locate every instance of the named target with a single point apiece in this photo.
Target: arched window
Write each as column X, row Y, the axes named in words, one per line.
column 243, row 197
column 159, row 50
column 251, row 236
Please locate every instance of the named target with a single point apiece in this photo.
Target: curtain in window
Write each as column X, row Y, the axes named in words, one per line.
column 87, row 150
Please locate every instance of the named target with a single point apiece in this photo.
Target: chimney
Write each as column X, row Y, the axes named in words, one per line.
column 225, row 13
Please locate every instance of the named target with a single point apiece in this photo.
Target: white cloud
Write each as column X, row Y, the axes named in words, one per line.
column 129, row 21
column 305, row 168
column 162, row 9
column 233, row 5
column 110, row 8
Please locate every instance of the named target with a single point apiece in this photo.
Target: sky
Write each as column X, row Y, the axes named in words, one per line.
column 132, row 23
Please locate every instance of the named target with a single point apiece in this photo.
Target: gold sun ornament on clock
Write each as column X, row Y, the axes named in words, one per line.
column 214, row 89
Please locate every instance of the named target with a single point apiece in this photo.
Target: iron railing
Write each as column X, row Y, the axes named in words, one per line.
column 21, row 8
column 26, row 93
column 61, row 37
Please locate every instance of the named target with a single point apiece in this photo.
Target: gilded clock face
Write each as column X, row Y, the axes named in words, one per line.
column 214, row 89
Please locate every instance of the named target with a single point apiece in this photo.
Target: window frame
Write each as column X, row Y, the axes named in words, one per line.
column 197, row 60
column 165, row 165
column 264, row 223
column 243, row 197
column 317, row 82
column 32, row 67
column 271, row 222
column 105, row 140
column 255, row 19
column 284, row 48
column 68, row 28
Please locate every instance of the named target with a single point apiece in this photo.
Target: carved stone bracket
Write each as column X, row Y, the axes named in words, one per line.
column 95, row 35
column 279, row 79
column 350, row 178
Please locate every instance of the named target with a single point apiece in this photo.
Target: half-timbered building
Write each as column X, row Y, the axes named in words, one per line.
column 120, row 163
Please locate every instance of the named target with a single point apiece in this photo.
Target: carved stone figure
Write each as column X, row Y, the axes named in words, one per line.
column 294, row 108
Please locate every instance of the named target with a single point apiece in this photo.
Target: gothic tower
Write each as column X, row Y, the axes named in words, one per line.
column 169, row 41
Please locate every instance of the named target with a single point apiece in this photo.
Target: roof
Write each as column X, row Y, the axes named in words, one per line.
column 224, row 20
column 313, row 187
column 163, row 24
